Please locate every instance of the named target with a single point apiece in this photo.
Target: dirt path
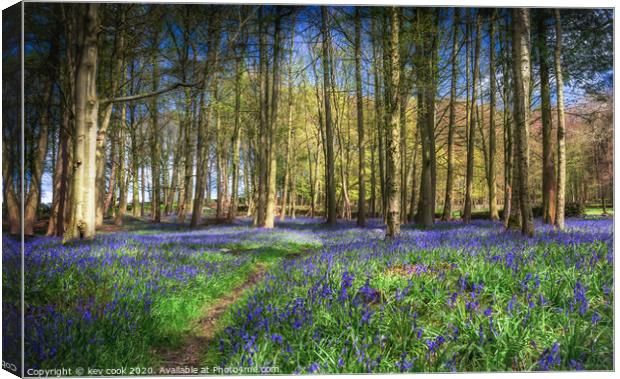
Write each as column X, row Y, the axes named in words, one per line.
column 204, row 329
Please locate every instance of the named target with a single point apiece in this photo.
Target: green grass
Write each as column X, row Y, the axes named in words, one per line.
column 598, row 211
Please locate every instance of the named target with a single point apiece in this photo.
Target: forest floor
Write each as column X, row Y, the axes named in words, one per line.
column 304, row 298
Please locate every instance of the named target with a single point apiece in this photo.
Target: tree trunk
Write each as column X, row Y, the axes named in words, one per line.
column 236, row 140
column 329, row 135
column 122, row 170
column 379, row 122
column 521, row 75
column 447, row 207
column 491, row 180
column 361, row 202
column 116, row 78
column 559, row 221
column 34, row 193
column 548, row 176
column 270, row 210
column 472, row 125
column 289, row 131
column 393, row 129
column 83, row 199
column 508, row 132
column 155, row 143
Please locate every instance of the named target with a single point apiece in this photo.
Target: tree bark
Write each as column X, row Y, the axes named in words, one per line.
column 521, row 75
column 447, row 208
column 472, row 125
column 204, row 118
column 83, row 199
column 155, row 143
column 361, row 202
column 289, row 128
column 548, row 177
column 559, row 221
column 491, row 176
column 329, row 135
column 236, row 140
column 393, row 136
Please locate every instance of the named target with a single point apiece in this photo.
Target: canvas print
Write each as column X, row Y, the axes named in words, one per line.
column 223, row 189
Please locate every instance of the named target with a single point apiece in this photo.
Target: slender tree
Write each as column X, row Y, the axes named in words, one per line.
column 521, row 82
column 361, row 202
column 393, row 129
column 559, row 220
column 447, row 209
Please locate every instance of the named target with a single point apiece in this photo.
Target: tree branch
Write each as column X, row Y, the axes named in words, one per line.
column 141, row 96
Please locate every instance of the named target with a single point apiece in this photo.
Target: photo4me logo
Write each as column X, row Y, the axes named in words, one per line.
column 9, row 366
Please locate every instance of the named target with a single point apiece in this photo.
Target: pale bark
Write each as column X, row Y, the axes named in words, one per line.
column 521, row 75
column 561, row 139
column 83, row 199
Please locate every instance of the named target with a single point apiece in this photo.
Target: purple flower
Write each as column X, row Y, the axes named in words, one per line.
column 314, row 367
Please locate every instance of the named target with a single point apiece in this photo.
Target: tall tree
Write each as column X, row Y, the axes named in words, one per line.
column 361, row 202
column 447, row 209
column 491, row 180
column 83, row 200
column 521, row 82
column 548, row 176
column 236, row 139
column 392, row 105
column 289, row 128
column 471, row 135
column 559, row 221
column 209, row 83
column 329, row 133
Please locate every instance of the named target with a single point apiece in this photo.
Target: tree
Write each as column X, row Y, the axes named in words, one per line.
column 83, row 200
column 548, row 177
column 289, row 128
column 559, row 221
column 471, row 135
column 491, row 183
column 209, row 83
column 392, row 123
column 361, row 202
column 521, row 82
column 329, row 133
column 447, row 209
